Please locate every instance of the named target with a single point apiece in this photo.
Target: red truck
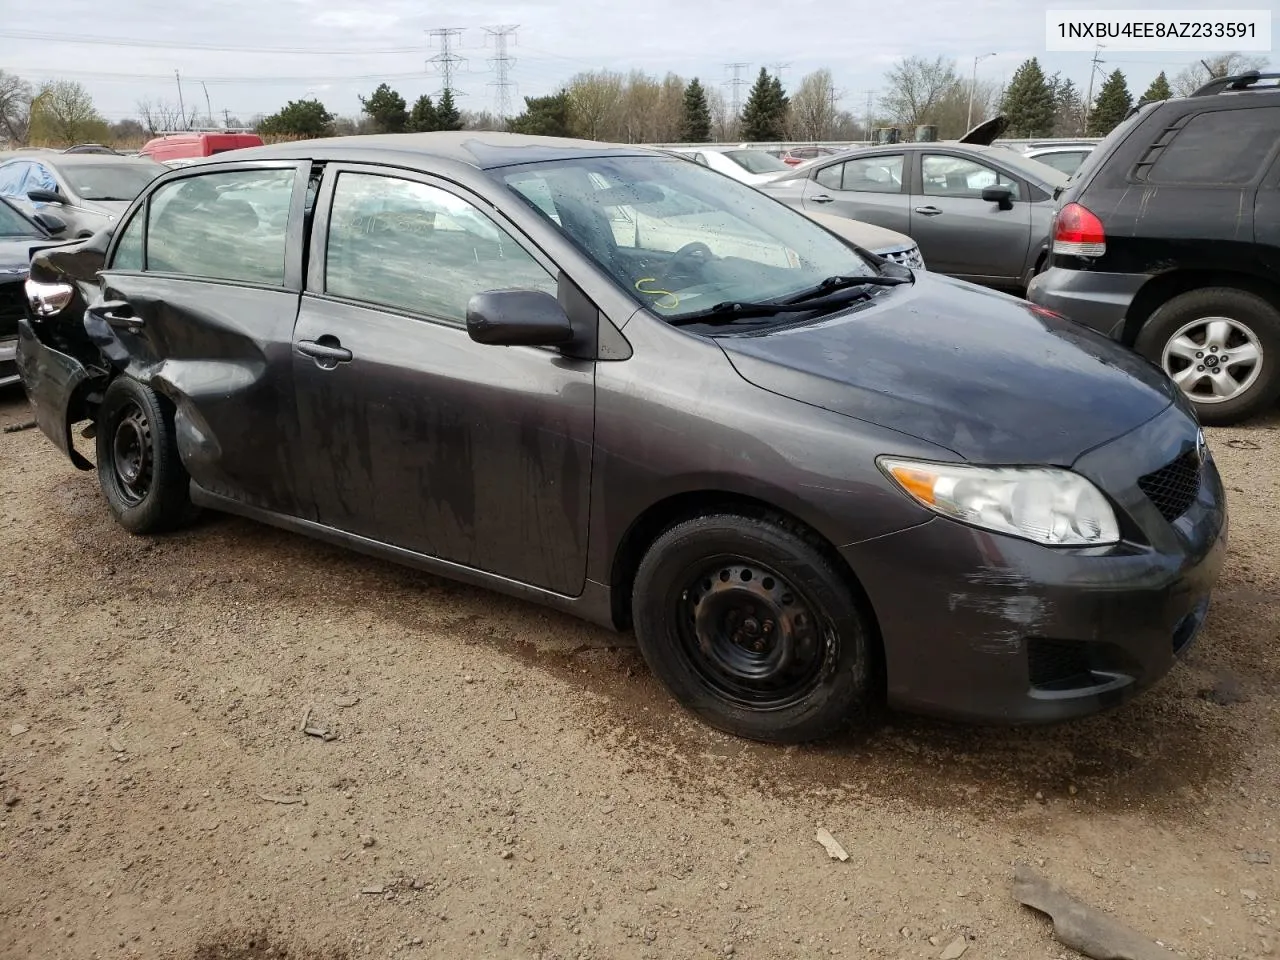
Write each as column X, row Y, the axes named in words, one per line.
column 184, row 146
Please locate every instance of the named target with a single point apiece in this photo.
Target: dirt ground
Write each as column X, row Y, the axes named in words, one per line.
column 507, row 782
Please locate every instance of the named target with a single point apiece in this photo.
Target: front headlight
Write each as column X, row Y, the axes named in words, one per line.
column 1051, row 506
column 47, row 299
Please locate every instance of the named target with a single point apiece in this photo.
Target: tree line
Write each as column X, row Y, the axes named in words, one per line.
column 637, row 107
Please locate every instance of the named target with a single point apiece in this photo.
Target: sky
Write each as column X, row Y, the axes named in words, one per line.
column 249, row 57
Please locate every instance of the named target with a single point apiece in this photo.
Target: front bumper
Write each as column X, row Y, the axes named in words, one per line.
column 1097, row 300
column 984, row 627
column 8, row 363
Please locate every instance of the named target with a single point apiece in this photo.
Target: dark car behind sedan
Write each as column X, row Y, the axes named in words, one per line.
column 20, row 237
column 796, row 468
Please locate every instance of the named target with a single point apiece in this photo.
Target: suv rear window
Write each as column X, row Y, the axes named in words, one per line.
column 1227, row 147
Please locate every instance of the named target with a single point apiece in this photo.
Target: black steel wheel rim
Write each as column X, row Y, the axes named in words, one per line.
column 132, row 462
column 751, row 637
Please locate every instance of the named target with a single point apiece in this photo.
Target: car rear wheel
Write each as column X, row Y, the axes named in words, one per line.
column 1222, row 347
column 141, row 475
column 750, row 626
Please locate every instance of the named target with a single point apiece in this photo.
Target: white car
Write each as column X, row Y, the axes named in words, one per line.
column 742, row 163
column 1065, row 157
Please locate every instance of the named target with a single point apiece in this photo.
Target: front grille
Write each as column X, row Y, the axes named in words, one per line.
column 1058, row 664
column 909, row 257
column 13, row 307
column 1174, row 487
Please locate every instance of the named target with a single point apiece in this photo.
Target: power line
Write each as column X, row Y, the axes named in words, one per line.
column 736, row 84
column 446, row 61
column 502, row 64
column 189, row 45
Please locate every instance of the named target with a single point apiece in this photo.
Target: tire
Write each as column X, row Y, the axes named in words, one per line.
column 146, row 487
column 718, row 599
column 1173, row 335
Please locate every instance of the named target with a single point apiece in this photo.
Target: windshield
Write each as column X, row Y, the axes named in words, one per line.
column 109, row 181
column 680, row 238
column 757, row 161
column 13, row 224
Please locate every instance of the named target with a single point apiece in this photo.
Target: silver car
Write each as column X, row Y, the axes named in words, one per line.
column 979, row 213
column 87, row 191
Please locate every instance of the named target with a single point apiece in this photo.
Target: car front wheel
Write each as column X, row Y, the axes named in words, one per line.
column 750, row 625
column 1221, row 346
column 141, row 475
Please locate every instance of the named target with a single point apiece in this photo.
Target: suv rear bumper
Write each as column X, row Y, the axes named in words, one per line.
column 1098, row 300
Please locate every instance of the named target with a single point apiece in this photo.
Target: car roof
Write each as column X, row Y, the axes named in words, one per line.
column 483, row 150
column 56, row 159
column 1047, row 174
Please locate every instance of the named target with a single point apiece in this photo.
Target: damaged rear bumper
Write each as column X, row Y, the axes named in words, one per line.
column 54, row 383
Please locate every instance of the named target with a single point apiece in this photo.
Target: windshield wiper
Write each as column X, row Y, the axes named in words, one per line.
column 832, row 284
column 828, row 294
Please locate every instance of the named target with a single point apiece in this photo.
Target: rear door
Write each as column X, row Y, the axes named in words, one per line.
column 201, row 292
column 1266, row 221
column 961, row 234
column 416, row 435
column 872, row 189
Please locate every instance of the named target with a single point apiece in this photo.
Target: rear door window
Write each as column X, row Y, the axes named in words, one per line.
column 221, row 226
column 1222, row 147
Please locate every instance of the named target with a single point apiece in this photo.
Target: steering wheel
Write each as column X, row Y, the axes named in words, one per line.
column 696, row 252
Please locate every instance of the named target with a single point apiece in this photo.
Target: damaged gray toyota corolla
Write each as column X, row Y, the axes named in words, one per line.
column 630, row 388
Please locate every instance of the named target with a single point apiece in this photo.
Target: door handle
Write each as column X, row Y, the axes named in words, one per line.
column 118, row 314
column 928, row 211
column 326, row 355
column 821, row 198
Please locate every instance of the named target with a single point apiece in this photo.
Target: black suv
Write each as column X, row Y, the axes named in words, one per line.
column 1168, row 240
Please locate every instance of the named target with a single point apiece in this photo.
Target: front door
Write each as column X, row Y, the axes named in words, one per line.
column 417, row 436
column 871, row 189
column 961, row 234
column 201, row 292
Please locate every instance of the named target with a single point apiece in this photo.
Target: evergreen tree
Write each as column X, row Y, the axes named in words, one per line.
column 1159, row 89
column 422, row 117
column 386, row 109
column 695, row 125
column 543, row 116
column 1029, row 102
column 447, row 115
column 1068, row 111
column 299, row 118
column 1111, row 107
column 760, row 116
column 781, row 106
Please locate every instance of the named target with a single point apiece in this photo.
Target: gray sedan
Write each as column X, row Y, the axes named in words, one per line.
column 978, row 213
column 87, row 191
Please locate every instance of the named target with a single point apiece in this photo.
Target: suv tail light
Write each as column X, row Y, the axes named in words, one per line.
column 1078, row 232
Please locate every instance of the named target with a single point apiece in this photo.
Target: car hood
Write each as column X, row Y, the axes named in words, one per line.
column 15, row 254
column 866, row 235
column 991, row 378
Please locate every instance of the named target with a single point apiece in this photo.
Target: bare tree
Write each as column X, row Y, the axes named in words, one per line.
column 641, row 97
column 162, row 116
column 594, row 101
column 670, row 109
column 15, row 107
column 63, row 112
column 917, row 86
column 1197, row 74
column 813, row 107
column 724, row 125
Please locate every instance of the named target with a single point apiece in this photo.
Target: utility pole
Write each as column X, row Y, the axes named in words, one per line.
column 446, row 61
column 778, row 68
column 208, row 107
column 1088, row 97
column 181, row 109
column 502, row 64
column 736, row 84
column 973, row 86
column 870, row 121
column 226, row 117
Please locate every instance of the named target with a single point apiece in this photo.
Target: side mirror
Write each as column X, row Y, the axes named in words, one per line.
column 44, row 196
column 518, row 318
column 1002, row 196
column 53, row 225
